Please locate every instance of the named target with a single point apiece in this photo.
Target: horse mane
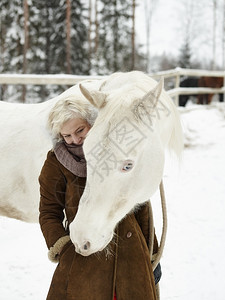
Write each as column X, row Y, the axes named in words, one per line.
column 123, row 92
column 176, row 143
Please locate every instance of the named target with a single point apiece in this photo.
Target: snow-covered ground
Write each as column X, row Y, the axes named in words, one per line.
column 193, row 263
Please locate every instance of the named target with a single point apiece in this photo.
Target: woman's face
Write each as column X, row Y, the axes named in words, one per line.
column 74, row 131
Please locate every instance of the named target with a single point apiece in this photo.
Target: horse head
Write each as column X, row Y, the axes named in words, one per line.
column 125, row 154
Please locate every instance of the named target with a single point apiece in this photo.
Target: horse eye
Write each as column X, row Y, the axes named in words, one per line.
column 127, row 165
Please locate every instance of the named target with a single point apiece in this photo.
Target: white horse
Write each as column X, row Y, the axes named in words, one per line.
column 23, row 149
column 125, row 151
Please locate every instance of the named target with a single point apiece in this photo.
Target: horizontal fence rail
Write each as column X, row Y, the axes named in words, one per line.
column 178, row 72
column 188, row 72
column 65, row 79
column 195, row 91
column 59, row 79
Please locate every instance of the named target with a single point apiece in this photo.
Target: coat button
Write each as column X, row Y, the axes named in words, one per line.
column 129, row 234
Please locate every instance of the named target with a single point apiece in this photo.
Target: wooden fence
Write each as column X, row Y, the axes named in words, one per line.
column 178, row 72
column 175, row 74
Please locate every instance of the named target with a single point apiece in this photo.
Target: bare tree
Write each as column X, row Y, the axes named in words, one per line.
column 133, row 35
column 26, row 42
column 96, row 35
column 89, row 33
column 185, row 50
column 96, row 26
column 223, row 33
column 214, row 34
column 68, row 36
column 149, row 6
column 2, row 52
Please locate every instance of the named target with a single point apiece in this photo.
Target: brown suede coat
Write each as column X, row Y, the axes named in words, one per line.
column 96, row 277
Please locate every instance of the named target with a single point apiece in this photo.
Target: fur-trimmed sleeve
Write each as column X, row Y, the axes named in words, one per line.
column 52, row 200
column 55, row 250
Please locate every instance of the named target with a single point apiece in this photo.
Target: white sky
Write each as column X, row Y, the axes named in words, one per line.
column 167, row 30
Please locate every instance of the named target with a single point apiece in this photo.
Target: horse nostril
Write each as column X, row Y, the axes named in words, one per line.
column 87, row 246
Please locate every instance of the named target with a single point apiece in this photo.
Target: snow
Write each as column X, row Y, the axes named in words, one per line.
column 193, row 262
column 25, row 271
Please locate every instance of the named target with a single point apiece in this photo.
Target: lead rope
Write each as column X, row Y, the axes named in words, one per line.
column 155, row 258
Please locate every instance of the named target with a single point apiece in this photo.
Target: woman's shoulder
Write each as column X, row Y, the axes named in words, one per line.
column 51, row 157
column 51, row 163
column 51, row 154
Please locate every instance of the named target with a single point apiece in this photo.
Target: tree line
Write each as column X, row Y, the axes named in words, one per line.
column 67, row 36
column 88, row 37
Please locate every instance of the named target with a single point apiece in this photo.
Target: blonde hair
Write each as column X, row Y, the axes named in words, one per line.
column 66, row 109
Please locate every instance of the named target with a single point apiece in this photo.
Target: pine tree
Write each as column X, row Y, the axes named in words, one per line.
column 185, row 55
column 79, row 39
column 115, row 51
column 4, row 55
column 12, row 40
column 50, row 40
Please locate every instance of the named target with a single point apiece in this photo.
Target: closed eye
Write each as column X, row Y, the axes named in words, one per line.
column 80, row 130
column 127, row 165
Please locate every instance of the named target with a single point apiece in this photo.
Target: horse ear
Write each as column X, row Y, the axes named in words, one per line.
column 154, row 94
column 149, row 101
column 96, row 98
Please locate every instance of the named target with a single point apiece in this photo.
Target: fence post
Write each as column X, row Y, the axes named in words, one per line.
column 177, row 85
column 223, row 87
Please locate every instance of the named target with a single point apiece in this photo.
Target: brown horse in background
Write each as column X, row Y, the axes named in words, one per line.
column 209, row 82
column 205, row 81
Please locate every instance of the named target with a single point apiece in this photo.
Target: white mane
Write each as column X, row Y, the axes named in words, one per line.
column 124, row 97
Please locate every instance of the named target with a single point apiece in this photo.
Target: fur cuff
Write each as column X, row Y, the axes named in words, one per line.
column 54, row 251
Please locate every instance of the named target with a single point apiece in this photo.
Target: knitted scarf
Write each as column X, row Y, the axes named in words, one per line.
column 71, row 157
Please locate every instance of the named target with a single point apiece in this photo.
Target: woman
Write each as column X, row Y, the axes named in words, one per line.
column 126, row 273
